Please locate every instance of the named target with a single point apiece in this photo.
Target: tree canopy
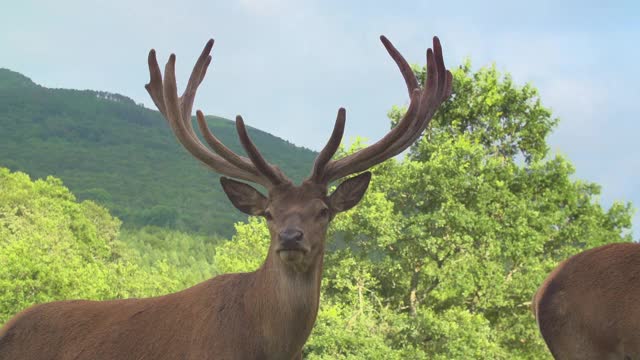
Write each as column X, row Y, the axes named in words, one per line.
column 53, row 247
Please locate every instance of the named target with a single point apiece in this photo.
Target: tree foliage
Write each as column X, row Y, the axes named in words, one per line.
column 53, row 248
column 189, row 258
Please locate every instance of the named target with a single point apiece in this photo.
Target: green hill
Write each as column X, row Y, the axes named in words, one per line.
column 108, row 149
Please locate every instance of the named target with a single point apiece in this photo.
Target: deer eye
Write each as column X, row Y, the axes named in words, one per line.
column 267, row 215
column 324, row 212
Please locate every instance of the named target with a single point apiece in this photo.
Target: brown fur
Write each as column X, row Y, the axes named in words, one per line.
column 589, row 306
column 266, row 314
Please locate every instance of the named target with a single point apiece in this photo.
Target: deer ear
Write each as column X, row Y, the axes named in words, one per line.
column 349, row 192
column 244, row 197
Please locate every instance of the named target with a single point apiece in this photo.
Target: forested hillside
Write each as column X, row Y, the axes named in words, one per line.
column 119, row 154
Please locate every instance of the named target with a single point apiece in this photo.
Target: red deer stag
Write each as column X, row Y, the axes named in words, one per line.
column 266, row 314
column 588, row 308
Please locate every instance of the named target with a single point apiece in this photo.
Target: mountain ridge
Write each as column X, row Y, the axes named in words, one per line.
column 109, row 149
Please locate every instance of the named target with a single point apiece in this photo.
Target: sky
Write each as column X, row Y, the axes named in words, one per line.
column 287, row 65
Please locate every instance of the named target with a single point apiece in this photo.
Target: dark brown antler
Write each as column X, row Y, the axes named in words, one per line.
column 424, row 103
column 177, row 111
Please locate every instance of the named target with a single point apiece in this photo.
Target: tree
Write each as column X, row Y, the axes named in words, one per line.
column 461, row 233
column 184, row 259
column 54, row 248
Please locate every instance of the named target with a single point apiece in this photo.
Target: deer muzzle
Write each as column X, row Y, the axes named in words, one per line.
column 291, row 247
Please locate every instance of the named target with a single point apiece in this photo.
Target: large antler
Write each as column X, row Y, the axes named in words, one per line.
column 423, row 105
column 177, row 111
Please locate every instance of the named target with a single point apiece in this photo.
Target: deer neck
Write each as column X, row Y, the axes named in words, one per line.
column 286, row 301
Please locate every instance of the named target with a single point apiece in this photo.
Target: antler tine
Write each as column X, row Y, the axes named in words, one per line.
column 408, row 128
column 183, row 123
column 270, row 171
column 330, row 148
column 197, row 75
column 220, row 148
column 187, row 138
column 177, row 112
column 424, row 102
column 409, row 77
column 437, row 89
column 437, row 50
column 154, row 87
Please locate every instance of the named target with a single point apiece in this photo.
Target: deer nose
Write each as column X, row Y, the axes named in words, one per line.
column 290, row 235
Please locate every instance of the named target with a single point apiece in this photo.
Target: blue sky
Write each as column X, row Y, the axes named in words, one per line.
column 287, row 65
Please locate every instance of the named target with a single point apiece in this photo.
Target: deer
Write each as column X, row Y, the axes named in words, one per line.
column 587, row 308
column 265, row 314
